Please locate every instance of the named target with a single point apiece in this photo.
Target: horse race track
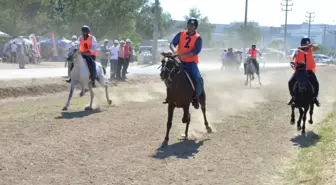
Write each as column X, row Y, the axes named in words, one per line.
column 252, row 142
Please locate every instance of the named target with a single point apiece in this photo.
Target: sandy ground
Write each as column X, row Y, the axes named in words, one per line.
column 252, row 143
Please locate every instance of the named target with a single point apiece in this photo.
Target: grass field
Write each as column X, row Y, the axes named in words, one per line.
column 316, row 164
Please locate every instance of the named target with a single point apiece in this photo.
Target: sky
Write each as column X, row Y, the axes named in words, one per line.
column 266, row 12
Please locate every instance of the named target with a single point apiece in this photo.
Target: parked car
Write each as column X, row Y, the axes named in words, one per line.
column 319, row 58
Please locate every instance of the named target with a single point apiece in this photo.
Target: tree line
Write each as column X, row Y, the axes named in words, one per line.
column 132, row 19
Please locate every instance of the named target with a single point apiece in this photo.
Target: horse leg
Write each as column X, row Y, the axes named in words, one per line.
column 292, row 121
column 186, row 119
column 250, row 82
column 72, row 86
column 203, row 107
column 91, row 97
column 306, row 108
column 300, row 118
column 247, row 75
column 82, row 93
column 171, row 108
column 311, row 112
column 109, row 101
column 259, row 79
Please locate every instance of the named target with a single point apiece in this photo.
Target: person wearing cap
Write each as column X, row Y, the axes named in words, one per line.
column 114, row 59
column 104, row 53
column 128, row 55
column 121, row 60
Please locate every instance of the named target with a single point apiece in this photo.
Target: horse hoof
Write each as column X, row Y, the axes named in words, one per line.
column 88, row 108
column 109, row 102
column 310, row 121
column 209, row 130
column 292, row 122
column 185, row 120
column 183, row 137
column 81, row 94
column 298, row 128
column 164, row 144
column 65, row 109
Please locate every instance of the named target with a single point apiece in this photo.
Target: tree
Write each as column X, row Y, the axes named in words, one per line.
column 145, row 21
column 64, row 17
column 204, row 25
column 253, row 33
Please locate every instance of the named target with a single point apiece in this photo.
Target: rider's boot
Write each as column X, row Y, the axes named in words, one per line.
column 195, row 103
column 291, row 101
column 316, row 101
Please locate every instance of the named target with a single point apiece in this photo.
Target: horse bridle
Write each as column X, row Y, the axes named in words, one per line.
column 170, row 71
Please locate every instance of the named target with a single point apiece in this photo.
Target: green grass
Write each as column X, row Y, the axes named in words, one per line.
column 315, row 165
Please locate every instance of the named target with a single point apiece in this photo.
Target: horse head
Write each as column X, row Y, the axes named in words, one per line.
column 302, row 77
column 169, row 66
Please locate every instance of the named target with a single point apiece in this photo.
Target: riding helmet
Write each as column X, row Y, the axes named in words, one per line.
column 193, row 21
column 305, row 41
column 85, row 28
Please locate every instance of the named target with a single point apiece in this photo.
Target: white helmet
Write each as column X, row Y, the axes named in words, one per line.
column 116, row 42
column 74, row 37
column 105, row 41
column 128, row 41
column 122, row 42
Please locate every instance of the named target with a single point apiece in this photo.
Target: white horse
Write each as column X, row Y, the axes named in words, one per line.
column 81, row 74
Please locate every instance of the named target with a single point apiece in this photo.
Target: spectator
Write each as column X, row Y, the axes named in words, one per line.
column 105, row 52
column 121, row 70
column 114, row 59
column 128, row 55
column 13, row 56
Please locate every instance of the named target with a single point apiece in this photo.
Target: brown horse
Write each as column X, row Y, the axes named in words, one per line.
column 180, row 93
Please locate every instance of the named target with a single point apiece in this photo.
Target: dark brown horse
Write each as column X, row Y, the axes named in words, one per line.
column 179, row 94
column 304, row 93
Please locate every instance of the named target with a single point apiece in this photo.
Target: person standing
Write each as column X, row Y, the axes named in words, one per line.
column 128, row 55
column 114, row 59
column 105, row 52
column 13, row 56
column 121, row 61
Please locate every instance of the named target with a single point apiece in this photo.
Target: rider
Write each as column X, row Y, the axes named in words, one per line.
column 189, row 45
column 305, row 54
column 88, row 49
column 230, row 56
column 253, row 52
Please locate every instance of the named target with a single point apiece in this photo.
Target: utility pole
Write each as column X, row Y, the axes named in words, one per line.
column 310, row 16
column 245, row 26
column 286, row 10
column 155, row 32
column 324, row 36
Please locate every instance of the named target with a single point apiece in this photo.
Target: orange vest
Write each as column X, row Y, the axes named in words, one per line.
column 86, row 45
column 307, row 57
column 253, row 53
column 186, row 45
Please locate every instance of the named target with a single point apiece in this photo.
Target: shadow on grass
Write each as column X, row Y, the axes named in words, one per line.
column 78, row 114
column 307, row 140
column 184, row 149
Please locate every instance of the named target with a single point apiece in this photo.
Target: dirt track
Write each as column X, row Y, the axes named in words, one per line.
column 117, row 145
